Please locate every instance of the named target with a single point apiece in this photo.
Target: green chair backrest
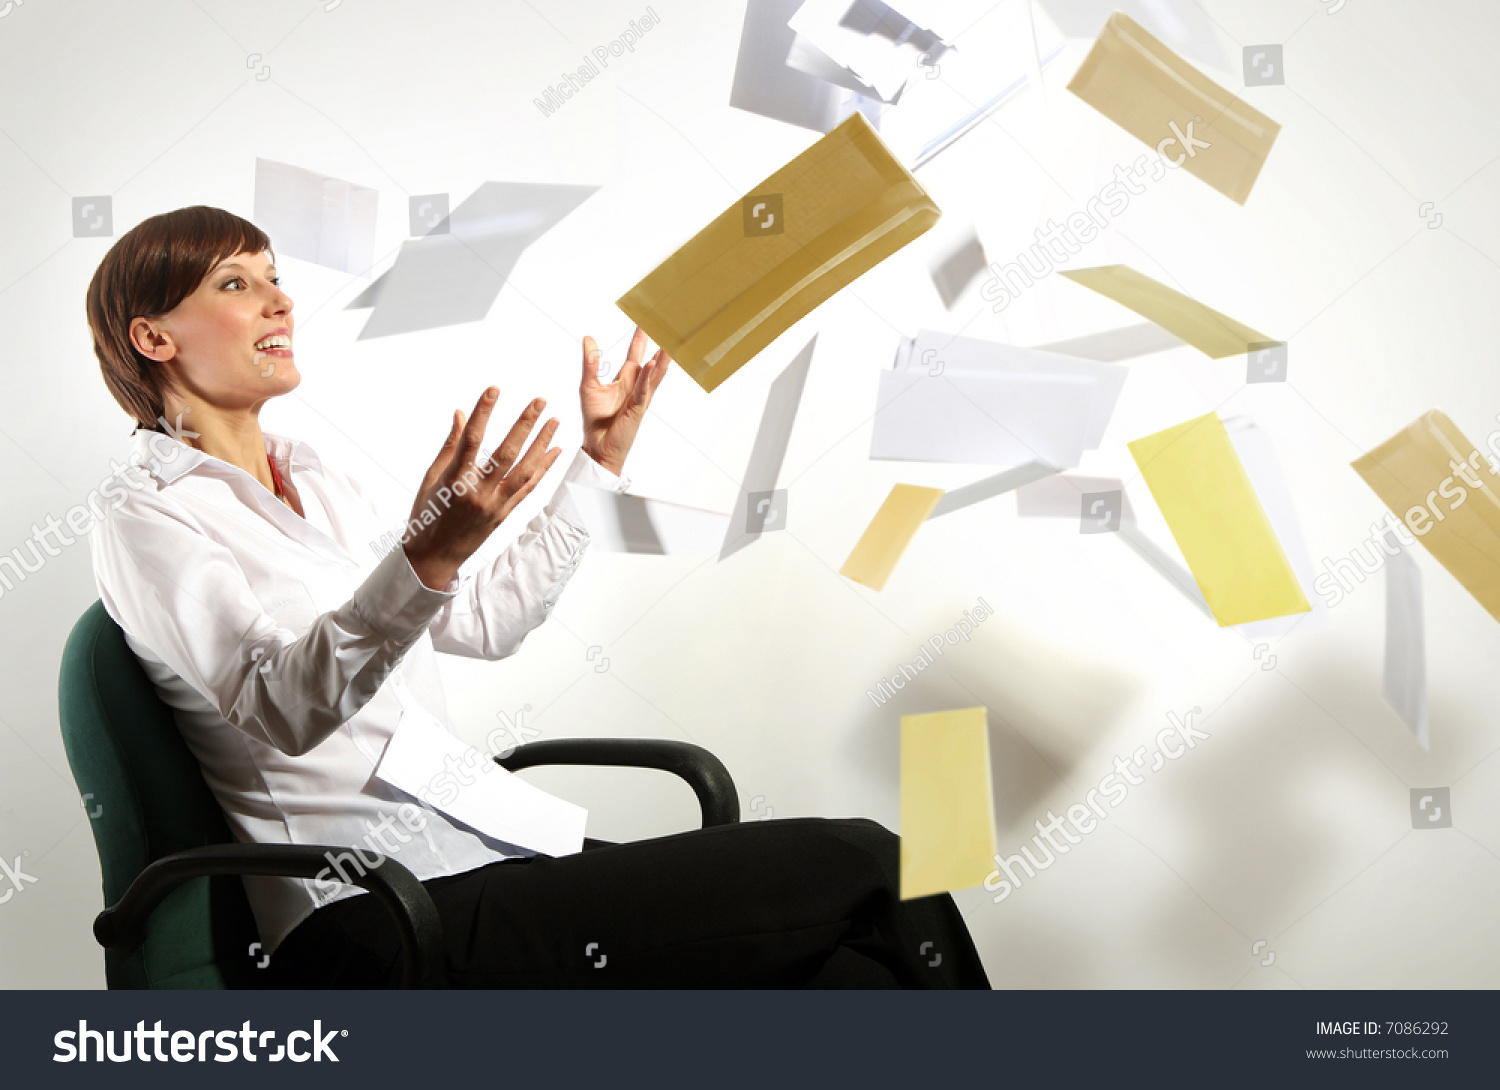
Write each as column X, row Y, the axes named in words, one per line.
column 145, row 786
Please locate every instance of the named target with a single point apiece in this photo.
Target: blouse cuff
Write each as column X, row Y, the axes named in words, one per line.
column 395, row 602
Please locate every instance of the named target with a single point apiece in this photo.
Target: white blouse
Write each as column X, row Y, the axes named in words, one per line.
column 289, row 649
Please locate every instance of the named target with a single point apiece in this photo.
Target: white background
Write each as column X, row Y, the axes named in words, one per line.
column 1289, row 825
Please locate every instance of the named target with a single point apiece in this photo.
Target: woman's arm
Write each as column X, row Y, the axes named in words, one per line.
column 494, row 608
column 186, row 598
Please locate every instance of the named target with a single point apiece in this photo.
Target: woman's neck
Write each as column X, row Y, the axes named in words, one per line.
column 231, row 436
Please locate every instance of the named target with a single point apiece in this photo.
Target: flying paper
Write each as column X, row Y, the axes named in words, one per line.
column 947, row 802
column 957, row 399
column 878, row 45
column 621, row 523
column 834, row 212
column 769, row 451
column 453, row 276
column 316, row 218
column 957, row 269
column 1442, row 487
column 1405, row 682
column 765, row 84
column 1218, row 522
column 493, row 800
column 889, row 533
column 1156, row 96
column 1216, row 335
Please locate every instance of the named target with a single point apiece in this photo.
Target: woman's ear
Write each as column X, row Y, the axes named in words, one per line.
column 151, row 342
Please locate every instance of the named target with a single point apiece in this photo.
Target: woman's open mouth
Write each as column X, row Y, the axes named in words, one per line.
column 279, row 346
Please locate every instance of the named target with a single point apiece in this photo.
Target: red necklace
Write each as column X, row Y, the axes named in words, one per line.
column 276, row 478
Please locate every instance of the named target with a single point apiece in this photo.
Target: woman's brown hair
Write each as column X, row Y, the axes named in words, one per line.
column 154, row 266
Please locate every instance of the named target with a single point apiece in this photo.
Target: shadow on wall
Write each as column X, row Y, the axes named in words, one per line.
column 1241, row 838
column 1032, row 743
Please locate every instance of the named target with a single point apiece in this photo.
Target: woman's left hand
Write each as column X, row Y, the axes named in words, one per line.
column 612, row 413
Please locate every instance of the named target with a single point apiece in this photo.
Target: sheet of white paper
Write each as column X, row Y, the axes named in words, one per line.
column 880, row 47
column 989, row 487
column 765, row 85
column 809, row 59
column 453, row 276
column 769, row 451
column 931, row 352
column 621, row 523
column 986, row 419
column 316, row 218
column 987, row 67
column 957, row 267
column 1405, row 682
column 427, row 762
column 1258, row 455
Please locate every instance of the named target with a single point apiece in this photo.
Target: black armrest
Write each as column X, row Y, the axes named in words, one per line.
column 704, row 772
column 123, row 926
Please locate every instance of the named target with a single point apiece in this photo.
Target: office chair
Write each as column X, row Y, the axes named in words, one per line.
column 176, row 912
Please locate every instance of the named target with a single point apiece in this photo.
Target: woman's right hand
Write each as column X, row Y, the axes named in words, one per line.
column 468, row 497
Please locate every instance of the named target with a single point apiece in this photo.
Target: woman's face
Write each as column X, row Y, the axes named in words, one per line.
column 219, row 339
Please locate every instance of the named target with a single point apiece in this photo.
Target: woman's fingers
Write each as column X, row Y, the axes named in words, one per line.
column 637, row 346
column 509, row 450
column 473, row 432
column 439, row 464
column 524, row 489
column 535, row 453
column 591, row 359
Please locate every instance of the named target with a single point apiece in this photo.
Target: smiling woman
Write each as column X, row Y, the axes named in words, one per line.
column 239, row 574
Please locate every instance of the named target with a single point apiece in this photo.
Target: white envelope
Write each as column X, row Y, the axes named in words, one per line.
column 765, row 83
column 930, row 351
column 989, row 419
column 621, row 523
column 311, row 216
column 496, row 802
column 884, row 59
column 1405, row 682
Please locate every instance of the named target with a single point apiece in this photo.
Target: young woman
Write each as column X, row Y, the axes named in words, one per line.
column 238, row 566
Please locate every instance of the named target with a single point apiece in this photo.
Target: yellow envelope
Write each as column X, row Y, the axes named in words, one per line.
column 834, row 212
column 1217, row 520
column 1413, row 472
column 889, row 533
column 1216, row 335
column 1142, row 86
column 947, row 804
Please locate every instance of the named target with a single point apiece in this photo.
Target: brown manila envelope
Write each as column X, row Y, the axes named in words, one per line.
column 832, row 213
column 1156, row 96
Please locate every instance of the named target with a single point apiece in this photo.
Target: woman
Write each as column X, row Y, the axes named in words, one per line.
column 237, row 565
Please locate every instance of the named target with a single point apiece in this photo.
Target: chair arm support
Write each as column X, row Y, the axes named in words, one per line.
column 123, row 925
column 704, row 772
